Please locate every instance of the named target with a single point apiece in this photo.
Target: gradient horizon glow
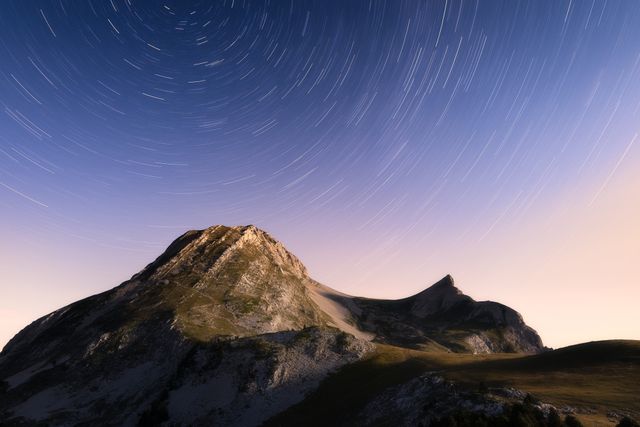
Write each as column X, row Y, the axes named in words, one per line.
column 386, row 143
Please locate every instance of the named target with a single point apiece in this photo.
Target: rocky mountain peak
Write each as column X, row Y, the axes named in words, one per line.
column 444, row 285
column 209, row 250
column 231, row 280
column 438, row 297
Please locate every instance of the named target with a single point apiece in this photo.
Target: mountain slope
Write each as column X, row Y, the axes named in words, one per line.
column 440, row 317
column 598, row 382
column 129, row 354
column 227, row 321
column 218, row 281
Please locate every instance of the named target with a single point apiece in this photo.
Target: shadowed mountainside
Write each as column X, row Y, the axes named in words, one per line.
column 597, row 382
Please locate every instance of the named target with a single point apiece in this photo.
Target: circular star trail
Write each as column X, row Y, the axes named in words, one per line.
column 396, row 124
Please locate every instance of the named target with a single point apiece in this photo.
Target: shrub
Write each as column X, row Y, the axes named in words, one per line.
column 530, row 400
column 628, row 422
column 554, row 420
column 517, row 415
column 571, row 421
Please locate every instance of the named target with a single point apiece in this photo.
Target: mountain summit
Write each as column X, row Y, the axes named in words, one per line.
column 225, row 326
column 228, row 281
column 440, row 317
column 438, row 297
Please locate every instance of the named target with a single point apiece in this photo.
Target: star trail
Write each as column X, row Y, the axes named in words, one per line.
column 370, row 136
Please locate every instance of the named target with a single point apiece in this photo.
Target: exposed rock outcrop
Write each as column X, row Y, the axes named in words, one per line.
column 429, row 399
column 440, row 317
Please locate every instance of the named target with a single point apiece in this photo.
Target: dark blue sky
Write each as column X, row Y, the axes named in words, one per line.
column 403, row 126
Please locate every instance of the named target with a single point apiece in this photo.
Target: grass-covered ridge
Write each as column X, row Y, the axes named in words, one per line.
column 602, row 376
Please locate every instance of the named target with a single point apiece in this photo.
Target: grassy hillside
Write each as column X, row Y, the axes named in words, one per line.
column 599, row 377
column 603, row 376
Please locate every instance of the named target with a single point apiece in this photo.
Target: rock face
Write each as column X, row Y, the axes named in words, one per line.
column 227, row 328
column 422, row 400
column 440, row 317
column 429, row 399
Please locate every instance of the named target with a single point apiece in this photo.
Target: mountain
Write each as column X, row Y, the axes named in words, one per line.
column 440, row 317
column 225, row 327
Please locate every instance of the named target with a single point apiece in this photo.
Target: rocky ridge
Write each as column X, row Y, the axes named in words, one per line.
column 228, row 323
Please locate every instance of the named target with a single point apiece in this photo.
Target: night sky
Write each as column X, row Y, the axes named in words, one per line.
column 387, row 143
